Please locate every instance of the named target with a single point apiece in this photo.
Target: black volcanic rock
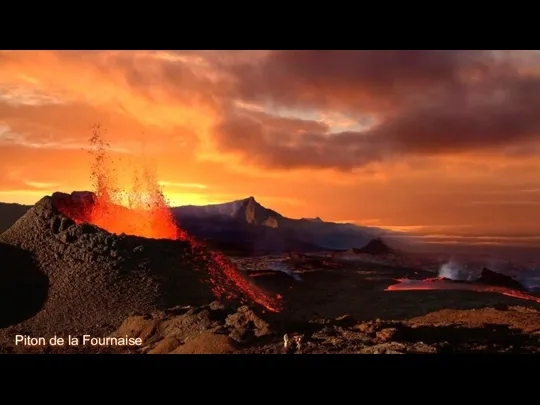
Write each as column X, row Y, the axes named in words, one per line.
column 82, row 198
column 497, row 279
column 375, row 247
column 23, row 287
column 454, row 281
column 96, row 278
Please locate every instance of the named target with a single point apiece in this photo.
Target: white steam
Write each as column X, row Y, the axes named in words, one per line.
column 528, row 276
column 453, row 270
column 279, row 266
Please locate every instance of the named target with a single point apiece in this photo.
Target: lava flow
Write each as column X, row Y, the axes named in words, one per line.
column 442, row 284
column 143, row 211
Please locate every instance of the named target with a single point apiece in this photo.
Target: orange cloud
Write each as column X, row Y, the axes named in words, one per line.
column 412, row 138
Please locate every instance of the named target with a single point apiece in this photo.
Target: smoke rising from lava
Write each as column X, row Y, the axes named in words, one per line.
column 453, row 270
column 456, row 271
column 441, row 284
column 142, row 210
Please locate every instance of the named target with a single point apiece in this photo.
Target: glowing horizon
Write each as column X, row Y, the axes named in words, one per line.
column 424, row 142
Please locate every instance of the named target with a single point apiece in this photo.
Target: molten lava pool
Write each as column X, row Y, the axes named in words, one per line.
column 443, row 284
column 142, row 210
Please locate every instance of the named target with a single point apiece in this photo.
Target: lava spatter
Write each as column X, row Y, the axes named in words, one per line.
column 144, row 211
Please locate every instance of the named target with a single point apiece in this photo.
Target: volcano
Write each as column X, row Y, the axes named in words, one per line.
column 92, row 279
column 143, row 211
column 376, row 247
column 497, row 279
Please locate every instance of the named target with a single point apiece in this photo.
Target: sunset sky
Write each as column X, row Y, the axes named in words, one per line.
column 440, row 143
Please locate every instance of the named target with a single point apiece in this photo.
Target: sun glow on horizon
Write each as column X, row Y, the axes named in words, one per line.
column 377, row 139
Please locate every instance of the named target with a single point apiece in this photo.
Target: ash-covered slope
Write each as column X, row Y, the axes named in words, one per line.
column 97, row 279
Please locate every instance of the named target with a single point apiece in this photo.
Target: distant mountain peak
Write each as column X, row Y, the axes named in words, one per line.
column 316, row 219
column 254, row 213
column 376, row 247
column 250, row 201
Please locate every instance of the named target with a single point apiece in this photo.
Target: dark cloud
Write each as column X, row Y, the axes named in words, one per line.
column 421, row 102
column 478, row 117
column 286, row 143
column 438, row 102
column 354, row 79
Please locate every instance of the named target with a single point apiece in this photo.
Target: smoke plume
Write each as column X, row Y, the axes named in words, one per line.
column 453, row 270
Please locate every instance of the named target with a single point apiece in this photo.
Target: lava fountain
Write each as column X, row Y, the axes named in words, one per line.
column 143, row 211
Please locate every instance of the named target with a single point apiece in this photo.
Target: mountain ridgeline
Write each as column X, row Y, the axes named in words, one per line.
column 247, row 210
column 248, row 227
column 245, row 227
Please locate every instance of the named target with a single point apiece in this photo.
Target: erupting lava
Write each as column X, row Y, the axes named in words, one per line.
column 144, row 212
column 442, row 284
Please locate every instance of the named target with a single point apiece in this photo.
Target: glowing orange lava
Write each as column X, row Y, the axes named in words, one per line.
column 141, row 211
column 441, row 284
column 144, row 211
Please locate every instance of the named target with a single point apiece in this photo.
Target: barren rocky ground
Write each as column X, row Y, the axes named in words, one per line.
column 337, row 310
column 79, row 279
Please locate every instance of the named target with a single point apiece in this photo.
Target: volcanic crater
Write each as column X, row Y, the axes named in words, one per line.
column 81, row 278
